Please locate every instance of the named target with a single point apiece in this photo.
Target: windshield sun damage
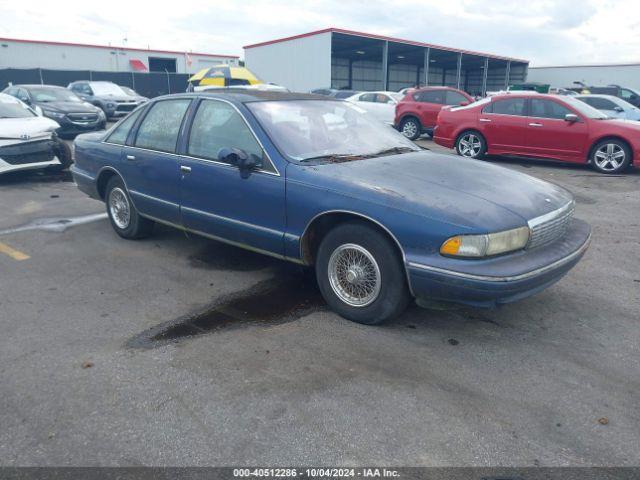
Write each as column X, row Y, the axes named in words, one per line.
column 327, row 130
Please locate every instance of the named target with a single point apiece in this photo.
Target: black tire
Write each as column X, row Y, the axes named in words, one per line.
column 136, row 226
column 471, row 144
column 392, row 296
column 410, row 127
column 63, row 152
column 610, row 156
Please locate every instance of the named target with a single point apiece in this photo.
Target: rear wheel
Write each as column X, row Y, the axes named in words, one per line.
column 361, row 275
column 471, row 144
column 611, row 156
column 410, row 128
column 124, row 217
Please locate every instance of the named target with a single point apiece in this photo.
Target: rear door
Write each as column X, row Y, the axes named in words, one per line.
column 216, row 199
column 550, row 135
column 150, row 165
column 503, row 123
column 428, row 106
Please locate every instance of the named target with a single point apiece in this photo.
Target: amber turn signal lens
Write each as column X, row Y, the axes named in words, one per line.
column 451, row 246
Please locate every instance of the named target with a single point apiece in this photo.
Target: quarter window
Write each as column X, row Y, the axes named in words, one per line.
column 160, row 128
column 542, row 108
column 507, row 106
column 121, row 132
column 218, row 125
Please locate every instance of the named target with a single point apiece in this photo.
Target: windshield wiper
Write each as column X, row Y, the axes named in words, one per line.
column 334, row 157
column 388, row 151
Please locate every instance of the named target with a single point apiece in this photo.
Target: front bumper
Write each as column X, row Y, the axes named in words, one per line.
column 29, row 155
column 503, row 279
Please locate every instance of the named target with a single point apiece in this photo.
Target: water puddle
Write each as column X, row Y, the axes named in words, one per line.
column 271, row 302
column 57, row 225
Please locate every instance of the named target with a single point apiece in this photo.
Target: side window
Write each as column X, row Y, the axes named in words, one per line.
column 600, row 103
column 543, row 108
column 509, row 106
column 218, row 125
column 160, row 128
column 626, row 94
column 381, row 98
column 368, row 97
column 121, row 132
column 430, row 96
column 454, row 98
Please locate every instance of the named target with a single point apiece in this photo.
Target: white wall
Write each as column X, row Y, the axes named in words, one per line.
column 68, row 57
column 624, row 75
column 300, row 65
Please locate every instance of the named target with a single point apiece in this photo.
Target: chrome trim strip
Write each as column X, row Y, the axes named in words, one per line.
column 523, row 276
column 534, row 222
column 224, row 240
column 404, row 258
column 233, row 220
column 156, row 199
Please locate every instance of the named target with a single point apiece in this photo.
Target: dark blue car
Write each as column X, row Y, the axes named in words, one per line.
column 317, row 182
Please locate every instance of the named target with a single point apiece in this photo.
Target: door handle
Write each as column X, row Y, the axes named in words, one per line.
column 485, row 120
column 185, row 169
column 131, row 157
column 535, row 125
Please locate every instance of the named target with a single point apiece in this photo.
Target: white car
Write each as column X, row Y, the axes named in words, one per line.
column 381, row 105
column 28, row 141
column 613, row 107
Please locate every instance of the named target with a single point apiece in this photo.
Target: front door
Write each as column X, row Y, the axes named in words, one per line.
column 217, row 199
column 550, row 135
column 150, row 165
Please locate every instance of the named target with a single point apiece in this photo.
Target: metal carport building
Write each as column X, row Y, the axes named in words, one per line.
column 363, row 61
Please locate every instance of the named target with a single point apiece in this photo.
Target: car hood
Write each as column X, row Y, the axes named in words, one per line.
column 67, row 107
column 21, row 128
column 450, row 189
column 629, row 125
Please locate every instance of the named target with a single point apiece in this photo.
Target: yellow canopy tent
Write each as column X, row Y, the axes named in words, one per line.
column 224, row 76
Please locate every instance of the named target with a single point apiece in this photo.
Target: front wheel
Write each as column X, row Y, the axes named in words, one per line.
column 360, row 274
column 471, row 145
column 124, row 217
column 610, row 156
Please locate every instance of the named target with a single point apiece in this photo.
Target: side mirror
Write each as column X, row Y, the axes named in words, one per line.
column 571, row 118
column 464, row 103
column 241, row 159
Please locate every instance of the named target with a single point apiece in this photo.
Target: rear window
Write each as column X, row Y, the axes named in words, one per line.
column 506, row 106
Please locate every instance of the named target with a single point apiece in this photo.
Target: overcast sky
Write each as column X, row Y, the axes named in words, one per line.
column 546, row 32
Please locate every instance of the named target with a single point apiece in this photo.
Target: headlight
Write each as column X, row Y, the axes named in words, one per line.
column 52, row 114
column 486, row 245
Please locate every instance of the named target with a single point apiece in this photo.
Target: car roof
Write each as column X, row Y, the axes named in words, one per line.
column 243, row 95
column 36, row 85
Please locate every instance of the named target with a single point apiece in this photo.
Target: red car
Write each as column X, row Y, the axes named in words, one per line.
column 542, row 126
column 418, row 111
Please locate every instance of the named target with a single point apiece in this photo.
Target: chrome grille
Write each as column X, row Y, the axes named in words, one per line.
column 552, row 226
column 83, row 117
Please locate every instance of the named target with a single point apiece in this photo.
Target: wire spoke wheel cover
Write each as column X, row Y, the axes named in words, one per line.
column 470, row 145
column 354, row 275
column 610, row 157
column 119, row 208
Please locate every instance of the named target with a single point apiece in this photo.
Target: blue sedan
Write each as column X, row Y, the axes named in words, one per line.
column 316, row 181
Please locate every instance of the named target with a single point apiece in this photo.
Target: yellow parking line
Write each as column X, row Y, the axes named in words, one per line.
column 12, row 252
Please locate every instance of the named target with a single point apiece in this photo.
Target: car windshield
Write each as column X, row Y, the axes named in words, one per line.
column 586, row 110
column 106, row 88
column 41, row 94
column 128, row 91
column 333, row 131
column 11, row 108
